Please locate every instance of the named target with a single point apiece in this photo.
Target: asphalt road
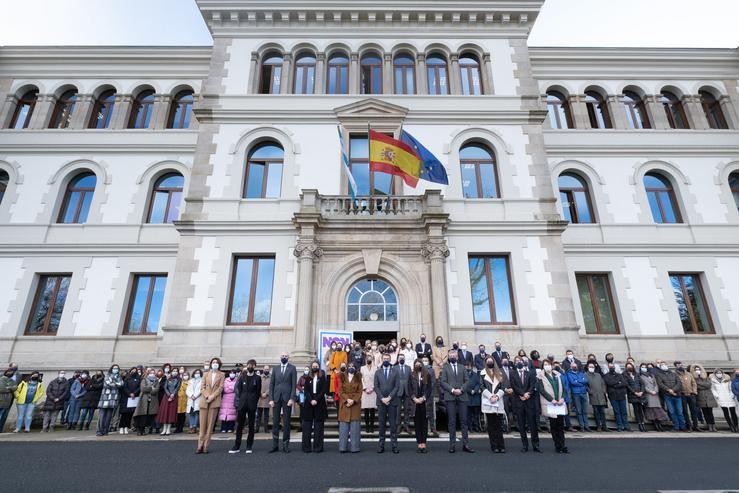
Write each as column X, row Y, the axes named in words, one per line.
column 605, row 465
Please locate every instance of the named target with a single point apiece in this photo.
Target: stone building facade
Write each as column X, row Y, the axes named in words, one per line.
column 170, row 204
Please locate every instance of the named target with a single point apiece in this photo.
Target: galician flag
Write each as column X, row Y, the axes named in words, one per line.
column 345, row 160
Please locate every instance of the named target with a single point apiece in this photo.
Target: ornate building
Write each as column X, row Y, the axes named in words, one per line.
column 169, row 204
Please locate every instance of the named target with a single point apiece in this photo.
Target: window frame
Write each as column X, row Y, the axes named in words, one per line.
column 357, row 160
column 30, row 98
column 368, row 71
column 487, row 257
column 147, row 107
column 64, row 107
column 149, row 297
column 252, row 289
column 636, row 111
column 562, row 104
column 168, row 190
column 674, row 106
column 691, row 315
column 593, row 302
column 598, row 110
column 570, row 191
column 478, row 173
column 670, row 192
column 404, row 68
column 265, row 176
column 734, row 189
column 470, row 69
column 104, row 108
column 4, row 181
column 69, row 190
column 342, row 69
column 42, row 277
column 304, row 77
column 185, row 106
column 713, row 111
column 437, row 68
column 272, row 67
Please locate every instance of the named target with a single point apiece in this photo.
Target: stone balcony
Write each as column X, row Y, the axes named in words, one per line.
column 371, row 207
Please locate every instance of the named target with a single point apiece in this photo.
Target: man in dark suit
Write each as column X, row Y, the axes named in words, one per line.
column 387, row 386
column 405, row 405
column 454, row 383
column 480, row 358
column 314, row 410
column 499, row 355
column 247, row 391
column 523, row 400
column 569, row 360
column 506, row 368
column 465, row 356
column 423, row 348
column 281, row 398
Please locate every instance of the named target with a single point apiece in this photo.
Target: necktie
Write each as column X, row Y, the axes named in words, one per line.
column 402, row 370
column 283, row 370
column 455, row 369
column 521, row 372
column 386, row 373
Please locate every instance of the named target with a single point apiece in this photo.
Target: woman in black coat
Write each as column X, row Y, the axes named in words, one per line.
column 420, row 389
column 131, row 390
column 314, row 409
column 635, row 395
column 89, row 401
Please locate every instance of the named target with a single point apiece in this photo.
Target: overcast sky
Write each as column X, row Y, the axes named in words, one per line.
column 682, row 23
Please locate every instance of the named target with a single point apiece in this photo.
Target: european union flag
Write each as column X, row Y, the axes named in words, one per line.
column 431, row 168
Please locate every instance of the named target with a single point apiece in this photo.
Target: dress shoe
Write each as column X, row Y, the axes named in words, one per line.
column 199, row 451
column 564, row 451
column 395, row 450
column 286, row 448
column 380, row 449
column 468, row 449
column 452, row 449
column 537, row 450
column 424, row 450
column 524, row 450
column 274, row 449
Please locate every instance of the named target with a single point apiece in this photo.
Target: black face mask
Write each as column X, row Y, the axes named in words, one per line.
column 343, row 369
column 455, row 346
column 491, row 364
column 519, row 365
column 417, row 367
column 315, row 370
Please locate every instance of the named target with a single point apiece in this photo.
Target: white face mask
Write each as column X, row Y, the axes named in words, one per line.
column 215, row 366
column 547, row 368
column 591, row 369
column 464, row 348
column 663, row 367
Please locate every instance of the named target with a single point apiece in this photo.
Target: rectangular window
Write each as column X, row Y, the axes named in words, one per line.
column 145, row 304
column 691, row 303
column 492, row 295
column 596, row 301
column 377, row 183
column 48, row 304
column 251, row 291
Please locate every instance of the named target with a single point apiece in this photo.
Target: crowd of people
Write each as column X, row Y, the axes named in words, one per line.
column 388, row 387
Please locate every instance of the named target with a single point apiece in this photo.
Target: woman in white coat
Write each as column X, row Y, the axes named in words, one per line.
column 494, row 384
column 721, row 389
column 369, row 398
column 193, row 400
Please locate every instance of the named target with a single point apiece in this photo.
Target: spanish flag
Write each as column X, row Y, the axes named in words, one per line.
column 394, row 157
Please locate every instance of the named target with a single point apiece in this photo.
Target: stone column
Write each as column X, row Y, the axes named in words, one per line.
column 656, row 111
column 455, row 86
column 435, row 253
column 694, row 110
column 307, row 251
column 487, row 74
column 730, row 113
column 354, row 73
column 160, row 113
column 422, row 83
column 286, row 76
column 253, row 75
column 8, row 109
column 617, row 111
column 579, row 112
column 388, row 83
column 121, row 109
column 319, row 84
column 42, row 112
column 82, row 111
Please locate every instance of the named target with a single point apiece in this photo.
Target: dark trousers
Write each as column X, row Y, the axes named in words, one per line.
column 245, row 416
column 125, row 421
column 456, row 408
column 638, row 412
column 730, row 415
column 313, row 429
column 420, row 423
column 708, row 415
column 180, row 422
column 495, row 431
column 557, row 429
column 388, row 413
column 104, row 421
column 369, row 419
column 281, row 405
column 473, row 413
column 263, row 417
column 599, row 413
column 690, row 404
column 405, row 410
column 526, row 417
column 142, row 422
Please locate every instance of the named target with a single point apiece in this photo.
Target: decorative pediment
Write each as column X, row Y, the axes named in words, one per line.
column 380, row 114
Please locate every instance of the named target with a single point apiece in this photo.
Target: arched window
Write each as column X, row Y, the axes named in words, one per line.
column 437, row 74
column 674, row 110
column 141, row 110
column 264, row 172
column 636, row 112
column 305, row 74
column 404, row 74
column 4, row 179
column 479, row 173
column 337, row 81
column 103, row 110
column 63, row 110
column 575, row 198
column 371, row 300
column 734, row 185
column 662, row 200
column 180, row 113
column 713, row 111
column 24, row 110
column 271, row 74
column 371, row 82
column 77, row 199
column 469, row 72
column 559, row 110
column 166, row 198
column 597, row 110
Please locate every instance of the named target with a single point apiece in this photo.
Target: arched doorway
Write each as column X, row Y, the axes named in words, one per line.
column 372, row 310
